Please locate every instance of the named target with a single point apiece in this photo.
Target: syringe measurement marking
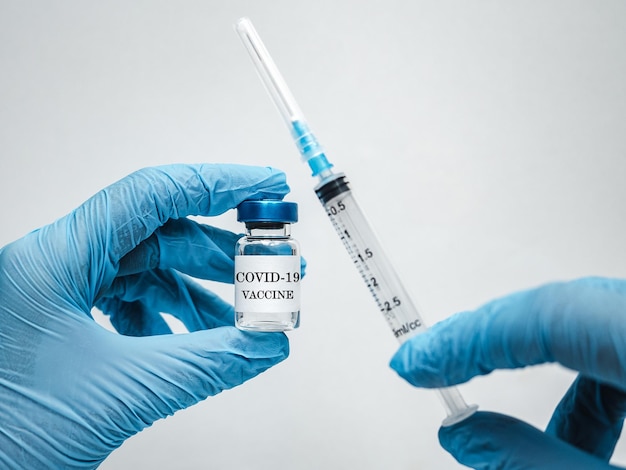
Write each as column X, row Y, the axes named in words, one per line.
column 360, row 258
column 353, row 249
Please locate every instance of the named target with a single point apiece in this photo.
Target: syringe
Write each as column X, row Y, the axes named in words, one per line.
column 348, row 219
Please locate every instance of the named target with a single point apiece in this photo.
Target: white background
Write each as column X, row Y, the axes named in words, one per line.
column 485, row 140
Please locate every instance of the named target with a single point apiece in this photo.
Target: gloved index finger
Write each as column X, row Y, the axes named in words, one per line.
column 143, row 201
column 580, row 324
column 124, row 214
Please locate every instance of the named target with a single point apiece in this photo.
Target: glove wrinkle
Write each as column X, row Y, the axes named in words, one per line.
column 590, row 416
column 142, row 258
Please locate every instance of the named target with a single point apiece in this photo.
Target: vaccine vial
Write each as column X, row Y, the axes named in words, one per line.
column 267, row 267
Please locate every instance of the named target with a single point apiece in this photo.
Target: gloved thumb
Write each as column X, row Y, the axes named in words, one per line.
column 494, row 441
column 159, row 375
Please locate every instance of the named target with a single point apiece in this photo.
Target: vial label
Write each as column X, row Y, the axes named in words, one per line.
column 267, row 284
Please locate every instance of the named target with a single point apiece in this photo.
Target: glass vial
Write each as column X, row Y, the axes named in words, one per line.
column 267, row 267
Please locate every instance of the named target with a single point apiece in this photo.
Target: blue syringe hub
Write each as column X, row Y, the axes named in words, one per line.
column 310, row 149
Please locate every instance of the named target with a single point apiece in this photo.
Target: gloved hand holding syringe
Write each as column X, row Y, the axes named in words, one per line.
column 346, row 216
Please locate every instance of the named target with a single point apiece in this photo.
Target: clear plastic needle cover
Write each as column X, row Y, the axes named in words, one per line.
column 268, row 71
column 310, row 149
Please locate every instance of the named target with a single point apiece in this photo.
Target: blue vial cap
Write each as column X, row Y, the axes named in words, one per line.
column 267, row 210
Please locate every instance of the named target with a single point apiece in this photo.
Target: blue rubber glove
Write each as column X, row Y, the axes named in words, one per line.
column 71, row 391
column 579, row 324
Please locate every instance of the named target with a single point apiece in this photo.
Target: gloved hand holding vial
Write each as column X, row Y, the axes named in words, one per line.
column 71, row 391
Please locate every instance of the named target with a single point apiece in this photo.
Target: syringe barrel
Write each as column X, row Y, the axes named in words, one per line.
column 366, row 252
column 381, row 279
